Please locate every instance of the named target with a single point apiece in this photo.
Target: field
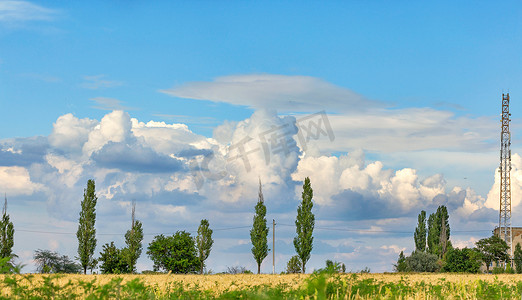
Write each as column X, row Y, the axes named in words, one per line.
column 316, row 286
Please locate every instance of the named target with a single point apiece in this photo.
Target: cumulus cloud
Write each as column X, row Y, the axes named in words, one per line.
column 347, row 188
column 114, row 127
column 22, row 151
column 179, row 177
column 261, row 147
column 516, row 185
column 17, row 181
column 135, row 158
column 70, row 133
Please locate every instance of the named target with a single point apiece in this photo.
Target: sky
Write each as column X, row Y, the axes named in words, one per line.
column 389, row 108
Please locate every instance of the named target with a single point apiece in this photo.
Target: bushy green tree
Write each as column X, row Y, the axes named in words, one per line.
column 462, row 261
column 114, row 260
column 294, row 265
column 86, row 233
column 259, row 231
column 517, row 257
column 52, row 262
column 401, row 265
column 492, row 249
column 176, row 253
column 204, row 242
column 422, row 262
column 304, row 225
column 420, row 233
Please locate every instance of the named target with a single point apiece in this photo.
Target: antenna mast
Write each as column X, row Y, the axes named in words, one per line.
column 504, row 222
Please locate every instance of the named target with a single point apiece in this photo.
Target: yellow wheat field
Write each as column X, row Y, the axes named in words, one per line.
column 222, row 282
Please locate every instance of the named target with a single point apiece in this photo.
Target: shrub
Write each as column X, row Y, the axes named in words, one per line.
column 238, row 270
column 294, row 265
column 422, row 262
column 462, row 260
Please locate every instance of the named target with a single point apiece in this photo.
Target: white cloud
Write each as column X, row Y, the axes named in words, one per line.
column 281, row 92
column 105, row 103
column 23, row 11
column 356, row 121
column 114, row 127
column 493, row 197
column 407, row 130
column 96, row 82
column 270, row 154
column 469, row 243
column 168, row 138
column 70, row 133
column 348, row 185
column 122, row 154
column 16, row 181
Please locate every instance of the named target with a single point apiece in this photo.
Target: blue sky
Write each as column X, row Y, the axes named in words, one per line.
column 123, row 92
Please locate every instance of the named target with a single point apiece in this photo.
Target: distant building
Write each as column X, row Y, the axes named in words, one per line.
column 516, row 239
column 516, row 236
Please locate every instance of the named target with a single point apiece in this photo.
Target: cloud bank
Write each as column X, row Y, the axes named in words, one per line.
column 179, row 177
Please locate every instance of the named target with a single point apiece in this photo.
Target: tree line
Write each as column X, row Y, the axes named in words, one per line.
column 179, row 253
column 434, row 251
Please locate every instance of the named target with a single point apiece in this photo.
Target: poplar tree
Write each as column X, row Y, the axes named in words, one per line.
column 86, row 233
column 433, row 234
column 304, row 223
column 133, row 239
column 420, row 233
column 204, row 242
column 439, row 232
column 6, row 234
column 517, row 258
column 259, row 231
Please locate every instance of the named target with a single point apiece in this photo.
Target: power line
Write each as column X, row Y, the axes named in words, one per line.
column 242, row 227
column 382, row 231
column 151, row 233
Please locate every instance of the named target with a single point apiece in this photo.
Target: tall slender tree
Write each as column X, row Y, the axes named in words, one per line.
column 133, row 239
column 420, row 233
column 433, row 234
column 6, row 233
column 259, row 231
column 204, row 242
column 439, row 232
column 304, row 225
column 86, row 233
column 517, row 258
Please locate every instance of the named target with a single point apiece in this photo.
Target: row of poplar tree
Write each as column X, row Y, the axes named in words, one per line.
column 179, row 253
column 304, row 227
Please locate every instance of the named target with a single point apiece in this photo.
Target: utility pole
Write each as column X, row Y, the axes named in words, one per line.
column 273, row 246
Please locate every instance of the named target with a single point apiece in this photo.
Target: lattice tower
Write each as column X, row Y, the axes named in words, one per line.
column 504, row 222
